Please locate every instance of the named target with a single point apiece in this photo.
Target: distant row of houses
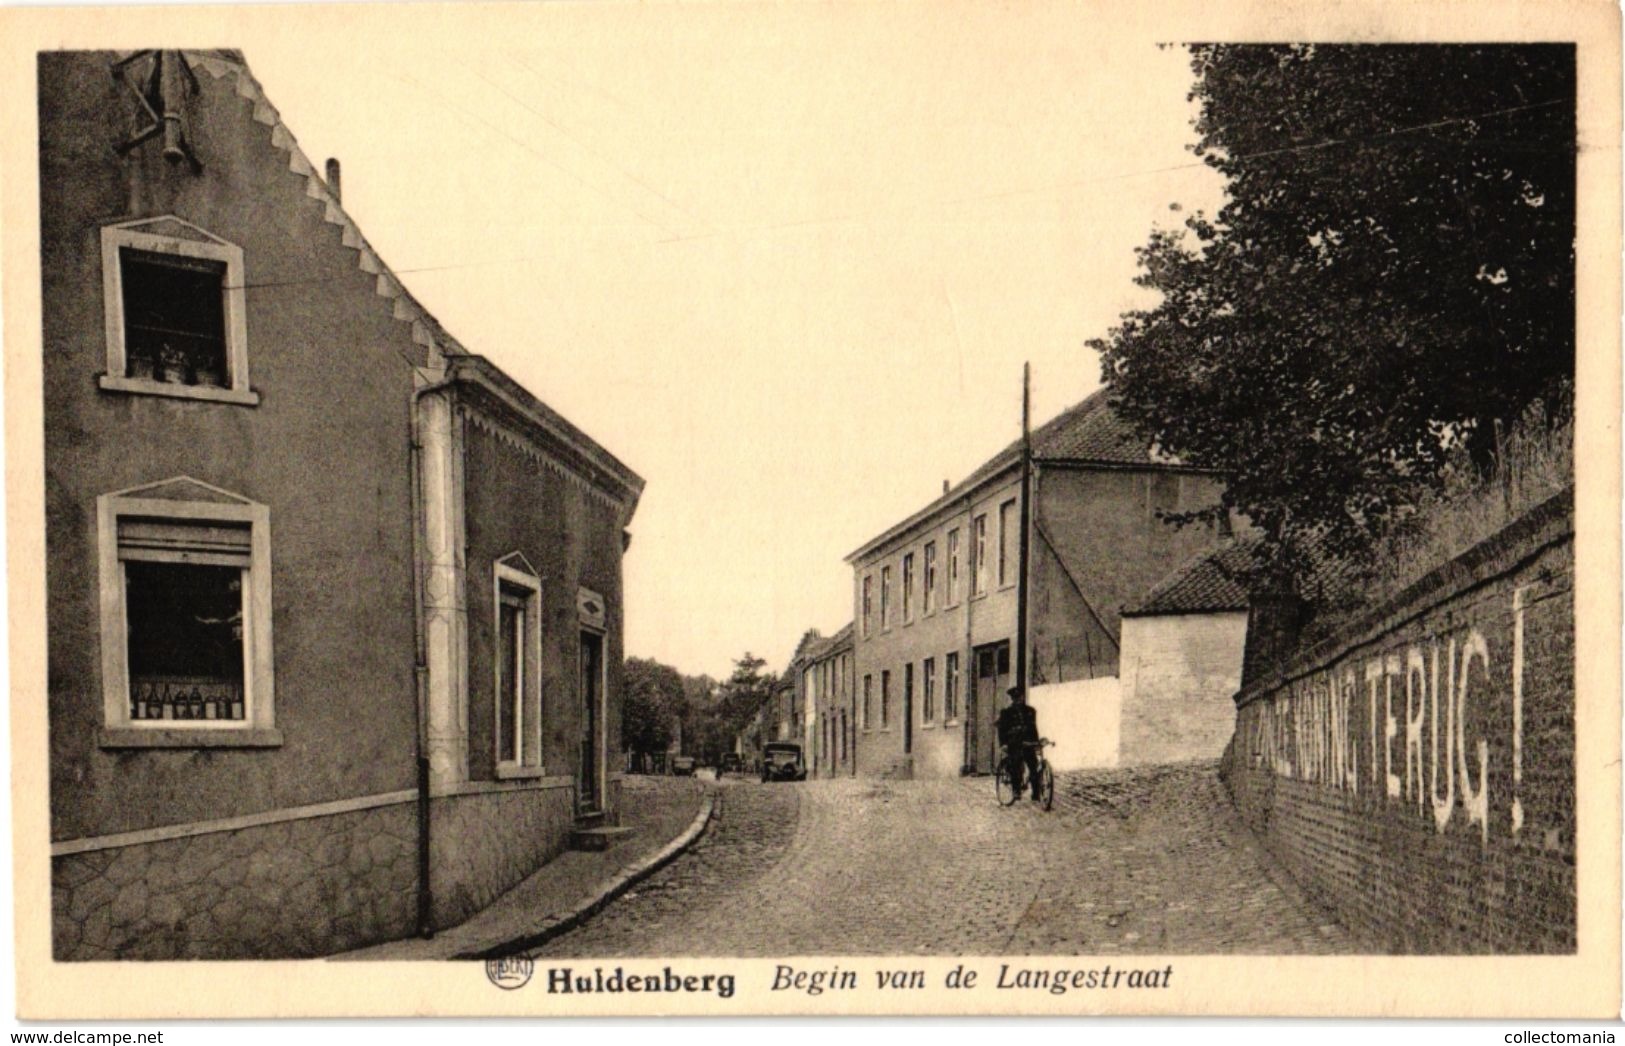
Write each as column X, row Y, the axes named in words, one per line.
column 1136, row 626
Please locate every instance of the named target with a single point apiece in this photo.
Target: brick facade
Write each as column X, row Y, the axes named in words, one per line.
column 1416, row 772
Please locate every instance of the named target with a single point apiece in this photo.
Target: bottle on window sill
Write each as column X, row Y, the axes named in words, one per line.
column 172, row 365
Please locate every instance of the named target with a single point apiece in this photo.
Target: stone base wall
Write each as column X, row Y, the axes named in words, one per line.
column 307, row 887
column 291, row 890
column 483, row 844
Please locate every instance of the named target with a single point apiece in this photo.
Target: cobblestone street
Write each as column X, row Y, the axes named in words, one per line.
column 1128, row 862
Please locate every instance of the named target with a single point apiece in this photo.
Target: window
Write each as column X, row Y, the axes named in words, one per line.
column 868, row 687
column 885, row 598
column 950, row 687
column 953, row 567
column 908, row 690
column 1008, row 552
column 174, row 312
column 928, row 690
column 978, row 555
column 517, row 674
column 185, row 579
column 928, row 595
column 908, row 587
column 885, row 698
column 866, row 602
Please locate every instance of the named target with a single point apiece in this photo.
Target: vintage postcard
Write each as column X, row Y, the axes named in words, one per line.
column 1051, row 507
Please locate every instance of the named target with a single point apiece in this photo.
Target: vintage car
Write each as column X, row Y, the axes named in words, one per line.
column 781, row 761
column 683, row 766
column 731, row 764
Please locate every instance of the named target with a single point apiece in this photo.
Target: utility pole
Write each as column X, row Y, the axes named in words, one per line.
column 1026, row 525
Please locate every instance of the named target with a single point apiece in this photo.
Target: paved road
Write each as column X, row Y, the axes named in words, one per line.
column 1128, row 862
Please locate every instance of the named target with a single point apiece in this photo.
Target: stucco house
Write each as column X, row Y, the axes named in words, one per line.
column 1181, row 661
column 334, row 606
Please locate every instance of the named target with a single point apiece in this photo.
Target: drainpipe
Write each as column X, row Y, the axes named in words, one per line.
column 420, row 666
column 1022, row 623
column 967, row 729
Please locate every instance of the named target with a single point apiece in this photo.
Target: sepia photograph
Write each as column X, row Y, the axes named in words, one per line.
column 731, row 509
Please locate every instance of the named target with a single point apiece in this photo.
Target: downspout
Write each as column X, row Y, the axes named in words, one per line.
column 967, row 728
column 420, row 666
column 1022, row 622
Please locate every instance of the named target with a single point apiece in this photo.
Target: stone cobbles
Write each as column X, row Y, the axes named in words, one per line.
column 1137, row 861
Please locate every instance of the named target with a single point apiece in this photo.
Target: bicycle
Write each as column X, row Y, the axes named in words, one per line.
column 1004, row 784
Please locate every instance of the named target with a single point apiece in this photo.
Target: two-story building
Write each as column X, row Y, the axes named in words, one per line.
column 825, row 669
column 334, row 607
column 935, row 594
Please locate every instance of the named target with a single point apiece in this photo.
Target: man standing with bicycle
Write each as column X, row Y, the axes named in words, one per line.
column 1018, row 733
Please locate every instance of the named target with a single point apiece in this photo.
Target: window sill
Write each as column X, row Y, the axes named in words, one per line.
column 946, row 723
column 172, row 390
column 131, row 737
column 510, row 772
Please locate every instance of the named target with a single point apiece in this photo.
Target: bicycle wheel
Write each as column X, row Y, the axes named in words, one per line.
column 1046, row 785
column 1003, row 787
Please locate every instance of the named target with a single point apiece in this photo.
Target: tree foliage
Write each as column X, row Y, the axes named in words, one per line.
column 1392, row 274
column 654, row 707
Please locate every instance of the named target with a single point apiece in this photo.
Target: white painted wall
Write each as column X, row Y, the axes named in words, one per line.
column 1083, row 719
column 1180, row 674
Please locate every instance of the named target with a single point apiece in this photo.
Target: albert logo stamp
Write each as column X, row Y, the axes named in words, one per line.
column 511, row 973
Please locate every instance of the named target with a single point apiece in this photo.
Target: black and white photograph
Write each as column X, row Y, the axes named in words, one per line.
column 745, row 509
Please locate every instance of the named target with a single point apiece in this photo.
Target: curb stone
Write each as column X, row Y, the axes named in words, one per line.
column 555, row 925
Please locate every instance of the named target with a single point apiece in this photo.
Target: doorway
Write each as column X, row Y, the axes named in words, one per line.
column 986, row 698
column 589, row 796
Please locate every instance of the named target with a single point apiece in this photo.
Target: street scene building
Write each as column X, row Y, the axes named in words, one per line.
column 936, row 601
column 335, row 606
column 826, row 677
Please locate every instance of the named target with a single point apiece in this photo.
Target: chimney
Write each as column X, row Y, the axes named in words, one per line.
column 333, row 179
column 944, row 487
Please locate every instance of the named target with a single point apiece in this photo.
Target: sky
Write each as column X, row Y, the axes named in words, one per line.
column 784, row 261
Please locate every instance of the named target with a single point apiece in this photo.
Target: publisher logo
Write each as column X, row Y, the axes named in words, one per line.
column 509, row 974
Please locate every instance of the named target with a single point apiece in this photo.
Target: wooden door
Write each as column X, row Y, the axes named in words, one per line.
column 589, row 796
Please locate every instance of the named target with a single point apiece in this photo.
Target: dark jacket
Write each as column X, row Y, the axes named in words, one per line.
column 1018, row 723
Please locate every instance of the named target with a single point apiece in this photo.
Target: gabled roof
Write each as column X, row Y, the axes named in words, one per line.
column 1213, row 582
column 814, row 646
column 1087, row 433
column 1221, row 580
column 426, row 330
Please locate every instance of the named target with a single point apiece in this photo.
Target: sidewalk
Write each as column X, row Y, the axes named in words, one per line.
column 660, row 808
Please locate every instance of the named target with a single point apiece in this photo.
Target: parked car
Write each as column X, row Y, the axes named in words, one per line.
column 731, row 764
column 683, row 766
column 781, row 761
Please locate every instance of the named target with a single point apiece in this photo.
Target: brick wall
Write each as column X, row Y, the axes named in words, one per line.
column 1416, row 771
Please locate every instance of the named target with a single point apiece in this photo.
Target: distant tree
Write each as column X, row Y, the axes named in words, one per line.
column 1393, row 273
column 655, row 704
column 735, row 701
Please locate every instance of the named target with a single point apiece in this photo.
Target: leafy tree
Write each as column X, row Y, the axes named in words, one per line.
column 735, row 701
column 1391, row 277
column 655, row 704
